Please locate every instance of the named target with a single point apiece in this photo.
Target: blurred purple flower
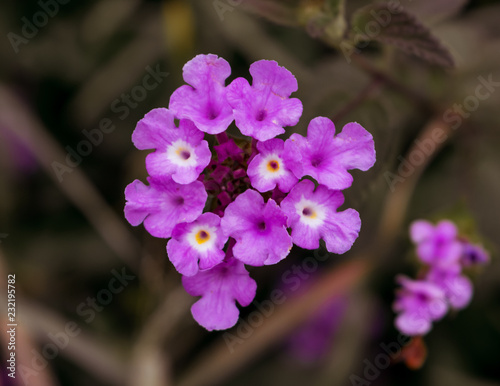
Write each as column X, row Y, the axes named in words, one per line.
column 263, row 109
column 327, row 158
column 456, row 287
column 181, row 153
column 312, row 215
column 418, row 303
column 473, row 254
column 313, row 339
column 436, row 245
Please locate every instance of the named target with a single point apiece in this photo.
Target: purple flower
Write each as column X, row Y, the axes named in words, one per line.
column 418, row 303
column 205, row 102
column 263, row 109
column 473, row 254
column 163, row 204
column 259, row 229
column 456, row 287
column 267, row 169
column 437, row 246
column 197, row 245
column 181, row 153
column 313, row 215
column 220, row 288
column 327, row 158
column 313, row 339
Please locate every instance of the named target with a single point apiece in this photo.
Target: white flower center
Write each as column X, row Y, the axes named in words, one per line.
column 202, row 238
column 311, row 213
column 271, row 166
column 181, row 153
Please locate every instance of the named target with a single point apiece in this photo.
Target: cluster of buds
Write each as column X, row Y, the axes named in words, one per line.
column 246, row 201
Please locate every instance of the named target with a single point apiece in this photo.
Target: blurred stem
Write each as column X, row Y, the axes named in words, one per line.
column 420, row 100
column 150, row 363
column 396, row 203
column 366, row 92
column 18, row 118
column 24, row 337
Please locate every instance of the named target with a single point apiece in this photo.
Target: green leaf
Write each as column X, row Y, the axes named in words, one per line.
column 394, row 26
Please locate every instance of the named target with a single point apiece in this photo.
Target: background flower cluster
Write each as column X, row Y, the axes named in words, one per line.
column 442, row 284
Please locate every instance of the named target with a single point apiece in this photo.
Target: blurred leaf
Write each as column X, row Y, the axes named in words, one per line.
column 391, row 25
column 325, row 20
column 282, row 12
column 436, row 10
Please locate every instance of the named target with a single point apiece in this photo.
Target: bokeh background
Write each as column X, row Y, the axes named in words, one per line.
column 82, row 71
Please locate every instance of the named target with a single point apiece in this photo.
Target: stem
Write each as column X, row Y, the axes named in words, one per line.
column 370, row 88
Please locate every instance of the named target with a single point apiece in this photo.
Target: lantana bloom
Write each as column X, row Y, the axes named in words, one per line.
column 204, row 101
column 326, row 157
column 259, row 229
column 444, row 255
column 436, row 245
column 312, row 215
column 418, row 303
column 230, row 203
column 197, row 245
column 163, row 204
column 264, row 108
column 456, row 287
column 219, row 288
column 267, row 169
column 181, row 152
column 473, row 254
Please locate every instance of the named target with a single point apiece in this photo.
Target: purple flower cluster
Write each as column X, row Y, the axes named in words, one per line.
column 443, row 284
column 233, row 203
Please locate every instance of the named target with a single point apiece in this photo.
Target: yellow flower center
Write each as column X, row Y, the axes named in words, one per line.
column 273, row 166
column 202, row 237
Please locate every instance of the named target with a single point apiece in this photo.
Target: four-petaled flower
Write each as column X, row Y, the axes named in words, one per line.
column 312, row 215
column 418, row 303
column 259, row 229
column 437, row 246
column 163, row 204
column 267, row 169
column 181, row 153
column 263, row 109
column 197, row 245
column 219, row 288
column 327, row 158
column 204, row 102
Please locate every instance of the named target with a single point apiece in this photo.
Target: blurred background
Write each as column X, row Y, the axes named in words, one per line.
column 98, row 302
